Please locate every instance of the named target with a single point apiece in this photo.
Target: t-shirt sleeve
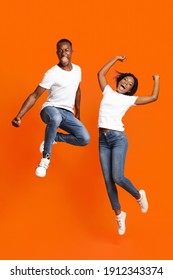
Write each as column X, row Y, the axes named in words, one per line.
column 47, row 80
column 107, row 89
column 132, row 100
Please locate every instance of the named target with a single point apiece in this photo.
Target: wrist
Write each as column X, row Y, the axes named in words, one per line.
column 156, row 77
column 18, row 117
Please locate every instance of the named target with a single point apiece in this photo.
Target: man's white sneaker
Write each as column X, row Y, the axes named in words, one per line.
column 143, row 203
column 42, row 167
column 121, row 222
column 42, row 146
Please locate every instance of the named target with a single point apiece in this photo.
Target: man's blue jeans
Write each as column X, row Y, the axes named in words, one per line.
column 60, row 118
column 113, row 147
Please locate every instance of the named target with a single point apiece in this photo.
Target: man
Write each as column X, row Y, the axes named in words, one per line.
column 63, row 84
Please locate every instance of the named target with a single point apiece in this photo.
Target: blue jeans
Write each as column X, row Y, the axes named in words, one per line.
column 60, row 118
column 112, row 148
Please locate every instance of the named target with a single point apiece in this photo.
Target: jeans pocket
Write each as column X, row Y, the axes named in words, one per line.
column 117, row 134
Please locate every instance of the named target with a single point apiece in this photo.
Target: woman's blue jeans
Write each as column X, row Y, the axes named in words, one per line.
column 112, row 148
column 60, row 118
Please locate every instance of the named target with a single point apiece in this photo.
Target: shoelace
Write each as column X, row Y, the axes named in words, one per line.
column 120, row 223
column 140, row 203
column 43, row 164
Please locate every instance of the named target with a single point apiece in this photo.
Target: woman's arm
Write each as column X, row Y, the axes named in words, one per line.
column 141, row 100
column 103, row 71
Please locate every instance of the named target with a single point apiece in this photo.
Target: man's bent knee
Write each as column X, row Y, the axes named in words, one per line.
column 84, row 140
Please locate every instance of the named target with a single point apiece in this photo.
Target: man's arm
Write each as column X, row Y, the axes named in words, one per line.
column 77, row 103
column 141, row 100
column 27, row 105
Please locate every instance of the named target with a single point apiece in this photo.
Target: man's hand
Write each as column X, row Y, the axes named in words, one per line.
column 16, row 122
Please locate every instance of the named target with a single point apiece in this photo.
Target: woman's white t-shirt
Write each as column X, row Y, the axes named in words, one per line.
column 62, row 86
column 113, row 107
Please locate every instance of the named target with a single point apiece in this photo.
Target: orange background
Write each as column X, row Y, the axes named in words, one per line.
column 67, row 215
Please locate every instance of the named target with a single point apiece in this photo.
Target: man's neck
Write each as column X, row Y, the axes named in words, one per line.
column 66, row 67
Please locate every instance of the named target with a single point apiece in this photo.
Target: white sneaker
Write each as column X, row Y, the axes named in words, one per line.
column 143, row 203
column 42, row 146
column 121, row 222
column 42, row 167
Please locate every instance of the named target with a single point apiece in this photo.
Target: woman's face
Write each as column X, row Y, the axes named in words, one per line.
column 125, row 85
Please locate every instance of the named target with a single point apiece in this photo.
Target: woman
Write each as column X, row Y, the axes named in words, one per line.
column 112, row 139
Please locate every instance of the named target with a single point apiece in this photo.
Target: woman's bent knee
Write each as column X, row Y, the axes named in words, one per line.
column 118, row 180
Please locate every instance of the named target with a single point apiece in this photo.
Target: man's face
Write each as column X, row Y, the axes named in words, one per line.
column 64, row 52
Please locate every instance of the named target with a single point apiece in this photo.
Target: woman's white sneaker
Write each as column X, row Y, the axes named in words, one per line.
column 143, row 203
column 121, row 222
column 42, row 167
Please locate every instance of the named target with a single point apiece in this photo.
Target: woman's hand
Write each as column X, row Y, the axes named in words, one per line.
column 103, row 71
column 121, row 58
column 156, row 77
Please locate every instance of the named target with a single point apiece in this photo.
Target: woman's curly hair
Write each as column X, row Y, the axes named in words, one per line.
column 122, row 76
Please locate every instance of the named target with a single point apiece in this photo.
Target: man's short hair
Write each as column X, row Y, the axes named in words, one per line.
column 64, row 41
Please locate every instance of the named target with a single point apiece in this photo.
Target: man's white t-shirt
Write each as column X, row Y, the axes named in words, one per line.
column 62, row 86
column 113, row 107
